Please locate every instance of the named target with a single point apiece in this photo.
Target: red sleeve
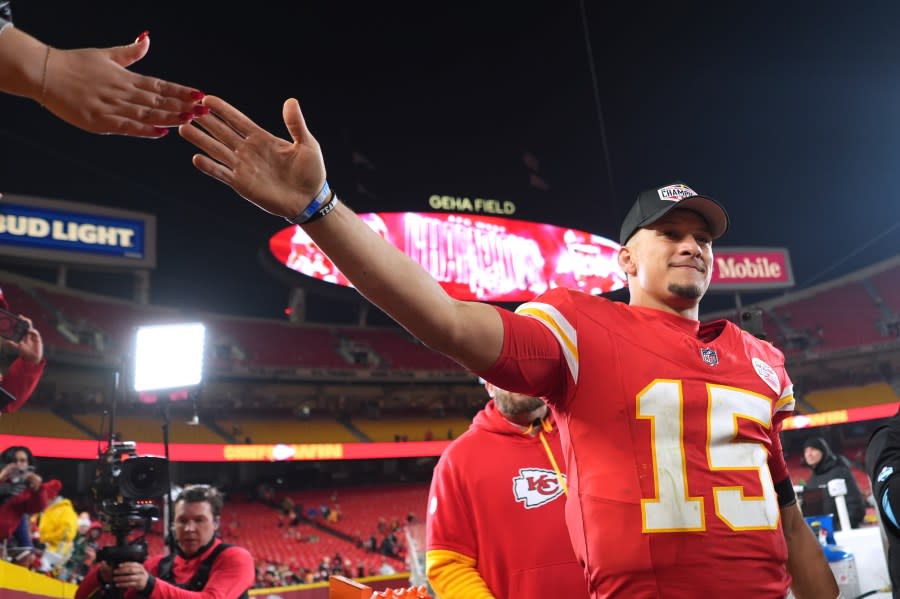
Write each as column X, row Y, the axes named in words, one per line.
column 90, row 584
column 449, row 524
column 232, row 573
column 20, row 381
column 777, row 465
column 540, row 354
column 784, row 407
column 33, row 502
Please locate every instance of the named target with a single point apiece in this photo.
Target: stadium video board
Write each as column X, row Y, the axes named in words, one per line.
column 475, row 257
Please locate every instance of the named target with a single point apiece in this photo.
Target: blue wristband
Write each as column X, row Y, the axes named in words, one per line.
column 323, row 197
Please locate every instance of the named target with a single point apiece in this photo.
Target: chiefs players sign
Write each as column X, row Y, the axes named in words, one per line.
column 476, row 257
column 52, row 447
column 840, row 416
column 751, row 268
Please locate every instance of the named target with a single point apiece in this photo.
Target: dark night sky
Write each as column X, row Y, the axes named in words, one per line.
column 790, row 117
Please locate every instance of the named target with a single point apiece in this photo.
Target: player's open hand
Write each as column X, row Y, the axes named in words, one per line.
column 279, row 176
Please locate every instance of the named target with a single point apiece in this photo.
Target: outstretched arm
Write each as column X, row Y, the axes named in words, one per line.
column 812, row 578
column 282, row 177
column 92, row 88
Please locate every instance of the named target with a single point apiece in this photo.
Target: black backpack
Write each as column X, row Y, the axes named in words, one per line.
column 200, row 578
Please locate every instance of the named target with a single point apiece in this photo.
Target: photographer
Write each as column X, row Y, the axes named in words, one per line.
column 24, row 373
column 22, row 491
column 203, row 565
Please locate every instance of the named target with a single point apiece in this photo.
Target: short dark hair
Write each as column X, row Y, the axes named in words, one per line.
column 198, row 493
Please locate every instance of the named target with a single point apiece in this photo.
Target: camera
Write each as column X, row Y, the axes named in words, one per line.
column 11, row 326
column 752, row 322
column 19, row 475
column 126, row 485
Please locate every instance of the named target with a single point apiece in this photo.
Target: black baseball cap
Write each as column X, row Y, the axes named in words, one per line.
column 653, row 204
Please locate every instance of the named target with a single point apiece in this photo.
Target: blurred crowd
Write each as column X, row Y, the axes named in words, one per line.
column 384, row 540
column 39, row 527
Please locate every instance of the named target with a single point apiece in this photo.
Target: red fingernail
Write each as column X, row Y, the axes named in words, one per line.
column 201, row 110
column 197, row 95
column 141, row 37
column 161, row 132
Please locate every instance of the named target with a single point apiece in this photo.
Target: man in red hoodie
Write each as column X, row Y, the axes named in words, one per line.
column 24, row 373
column 202, row 561
column 496, row 519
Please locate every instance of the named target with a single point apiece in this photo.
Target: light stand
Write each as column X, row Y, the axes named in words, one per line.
column 169, row 358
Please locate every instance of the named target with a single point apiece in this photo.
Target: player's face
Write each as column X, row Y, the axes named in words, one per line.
column 194, row 525
column 671, row 260
column 812, row 456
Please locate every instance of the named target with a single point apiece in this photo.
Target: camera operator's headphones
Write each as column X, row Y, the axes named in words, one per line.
column 9, row 454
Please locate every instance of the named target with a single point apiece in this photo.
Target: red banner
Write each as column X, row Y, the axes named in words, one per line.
column 799, row 421
column 79, row 449
column 737, row 269
column 475, row 257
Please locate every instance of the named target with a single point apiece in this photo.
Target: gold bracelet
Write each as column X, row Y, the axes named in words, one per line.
column 44, row 75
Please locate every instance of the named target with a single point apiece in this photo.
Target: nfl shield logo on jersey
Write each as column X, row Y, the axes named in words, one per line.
column 709, row 356
column 536, row 486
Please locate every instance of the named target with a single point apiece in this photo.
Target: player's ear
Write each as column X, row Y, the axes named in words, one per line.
column 627, row 260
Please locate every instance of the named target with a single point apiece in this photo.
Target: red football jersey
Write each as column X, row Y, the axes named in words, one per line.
column 496, row 498
column 670, row 431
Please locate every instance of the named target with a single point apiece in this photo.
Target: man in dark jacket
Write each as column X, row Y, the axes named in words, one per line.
column 883, row 466
column 826, row 466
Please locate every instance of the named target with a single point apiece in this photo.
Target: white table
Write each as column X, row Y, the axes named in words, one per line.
column 871, row 563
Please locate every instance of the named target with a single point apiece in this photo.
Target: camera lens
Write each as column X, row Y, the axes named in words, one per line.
column 144, row 477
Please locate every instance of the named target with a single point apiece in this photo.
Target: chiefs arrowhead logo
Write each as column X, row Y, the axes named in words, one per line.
column 536, row 486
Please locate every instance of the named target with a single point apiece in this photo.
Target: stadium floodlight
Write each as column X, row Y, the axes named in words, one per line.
column 169, row 356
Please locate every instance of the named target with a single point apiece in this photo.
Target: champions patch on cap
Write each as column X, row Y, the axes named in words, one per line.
column 652, row 204
column 675, row 192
